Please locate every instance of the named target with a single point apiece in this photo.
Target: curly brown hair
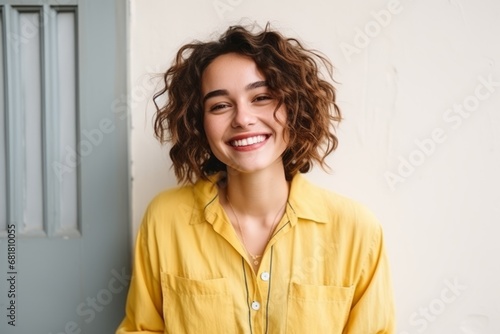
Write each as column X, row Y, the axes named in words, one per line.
column 293, row 76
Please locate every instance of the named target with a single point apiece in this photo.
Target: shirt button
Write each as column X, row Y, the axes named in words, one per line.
column 265, row 276
column 255, row 306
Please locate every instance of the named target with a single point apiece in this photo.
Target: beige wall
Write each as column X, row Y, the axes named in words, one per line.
column 420, row 143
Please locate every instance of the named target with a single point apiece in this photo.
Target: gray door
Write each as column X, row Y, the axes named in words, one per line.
column 64, row 178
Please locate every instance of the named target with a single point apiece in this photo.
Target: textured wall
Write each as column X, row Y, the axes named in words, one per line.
column 419, row 86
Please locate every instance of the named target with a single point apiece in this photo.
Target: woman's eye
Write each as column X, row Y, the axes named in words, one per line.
column 262, row 98
column 218, row 107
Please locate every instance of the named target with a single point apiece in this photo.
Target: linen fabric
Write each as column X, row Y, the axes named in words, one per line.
column 324, row 270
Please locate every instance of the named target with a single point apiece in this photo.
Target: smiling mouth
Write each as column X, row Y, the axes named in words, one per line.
column 248, row 141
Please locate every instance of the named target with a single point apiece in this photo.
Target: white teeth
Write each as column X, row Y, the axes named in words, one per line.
column 248, row 141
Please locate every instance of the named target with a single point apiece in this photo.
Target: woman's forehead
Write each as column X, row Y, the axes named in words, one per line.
column 230, row 71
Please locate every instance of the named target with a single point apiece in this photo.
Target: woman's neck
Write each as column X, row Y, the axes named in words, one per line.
column 257, row 195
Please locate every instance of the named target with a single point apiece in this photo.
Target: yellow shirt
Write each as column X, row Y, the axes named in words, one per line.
column 324, row 270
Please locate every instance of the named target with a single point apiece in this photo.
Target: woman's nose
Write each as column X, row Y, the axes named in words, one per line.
column 243, row 117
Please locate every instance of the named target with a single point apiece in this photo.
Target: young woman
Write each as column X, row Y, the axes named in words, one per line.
column 247, row 244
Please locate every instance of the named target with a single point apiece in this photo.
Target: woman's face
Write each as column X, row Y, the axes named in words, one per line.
column 239, row 117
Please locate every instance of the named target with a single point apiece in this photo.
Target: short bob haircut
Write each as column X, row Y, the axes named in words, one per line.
column 293, row 77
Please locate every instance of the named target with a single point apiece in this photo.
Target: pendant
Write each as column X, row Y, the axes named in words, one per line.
column 255, row 259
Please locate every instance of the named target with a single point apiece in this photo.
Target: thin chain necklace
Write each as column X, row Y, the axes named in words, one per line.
column 255, row 258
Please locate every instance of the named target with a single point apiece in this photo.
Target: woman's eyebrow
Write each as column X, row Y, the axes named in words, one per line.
column 256, row 84
column 224, row 92
column 214, row 93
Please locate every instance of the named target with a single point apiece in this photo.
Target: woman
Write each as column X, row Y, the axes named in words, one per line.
column 247, row 244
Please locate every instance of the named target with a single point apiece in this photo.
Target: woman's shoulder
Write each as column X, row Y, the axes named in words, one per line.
column 333, row 207
column 171, row 197
column 181, row 201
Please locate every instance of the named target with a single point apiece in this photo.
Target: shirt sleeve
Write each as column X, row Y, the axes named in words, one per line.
column 372, row 310
column 144, row 311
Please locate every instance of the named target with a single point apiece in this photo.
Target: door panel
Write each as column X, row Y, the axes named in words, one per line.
column 64, row 166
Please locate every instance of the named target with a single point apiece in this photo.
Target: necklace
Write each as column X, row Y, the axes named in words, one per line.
column 255, row 258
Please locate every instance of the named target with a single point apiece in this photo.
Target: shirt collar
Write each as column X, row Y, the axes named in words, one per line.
column 206, row 201
column 305, row 201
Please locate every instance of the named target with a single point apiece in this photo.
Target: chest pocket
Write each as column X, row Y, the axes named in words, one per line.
column 197, row 306
column 318, row 308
